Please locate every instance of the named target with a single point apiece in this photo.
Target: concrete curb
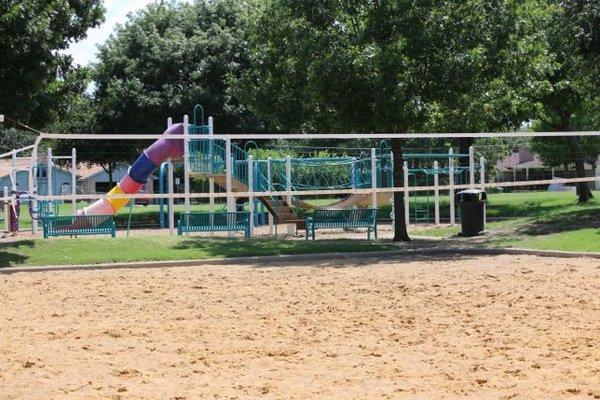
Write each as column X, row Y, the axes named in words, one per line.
column 400, row 253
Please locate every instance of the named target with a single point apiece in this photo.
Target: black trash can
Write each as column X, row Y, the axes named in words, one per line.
column 472, row 210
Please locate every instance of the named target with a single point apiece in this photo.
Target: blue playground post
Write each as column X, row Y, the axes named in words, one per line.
column 161, row 188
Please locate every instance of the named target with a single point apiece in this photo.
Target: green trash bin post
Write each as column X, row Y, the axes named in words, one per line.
column 472, row 209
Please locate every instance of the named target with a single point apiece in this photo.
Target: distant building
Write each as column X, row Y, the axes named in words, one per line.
column 95, row 180
column 61, row 178
column 525, row 165
column 90, row 180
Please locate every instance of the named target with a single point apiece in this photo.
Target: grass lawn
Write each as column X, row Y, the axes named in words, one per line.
column 96, row 250
column 539, row 220
column 582, row 240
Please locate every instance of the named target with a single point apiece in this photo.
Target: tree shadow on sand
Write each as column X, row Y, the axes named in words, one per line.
column 346, row 249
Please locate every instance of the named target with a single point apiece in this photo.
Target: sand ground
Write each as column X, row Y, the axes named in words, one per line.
column 503, row 327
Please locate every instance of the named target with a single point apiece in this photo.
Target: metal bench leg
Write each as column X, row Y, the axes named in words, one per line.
column 369, row 233
column 375, row 230
column 313, row 232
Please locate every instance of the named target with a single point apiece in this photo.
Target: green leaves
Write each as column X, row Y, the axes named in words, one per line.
column 168, row 58
column 31, row 34
column 384, row 66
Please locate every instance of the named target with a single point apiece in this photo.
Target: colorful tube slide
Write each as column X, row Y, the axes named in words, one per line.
column 138, row 174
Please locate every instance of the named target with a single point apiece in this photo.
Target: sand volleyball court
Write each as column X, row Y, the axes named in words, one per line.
column 502, row 327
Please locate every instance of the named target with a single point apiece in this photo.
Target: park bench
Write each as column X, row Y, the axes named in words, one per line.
column 350, row 218
column 214, row 222
column 77, row 225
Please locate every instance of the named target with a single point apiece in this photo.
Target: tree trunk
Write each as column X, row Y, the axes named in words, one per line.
column 400, row 232
column 583, row 189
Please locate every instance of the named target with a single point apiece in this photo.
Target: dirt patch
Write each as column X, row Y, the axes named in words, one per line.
column 430, row 327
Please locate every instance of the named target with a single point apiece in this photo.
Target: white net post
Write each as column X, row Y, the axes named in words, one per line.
column 73, row 180
column 270, row 188
column 171, row 184
column 472, row 167
column 374, row 178
column 291, row 228
column 451, row 184
column 13, row 183
column 228, row 172
column 288, row 178
column 251, row 191
column 49, row 170
column 13, row 171
column 186, row 162
column 482, row 173
column 211, row 180
column 32, row 172
column 482, row 185
column 436, row 184
column 406, row 194
column 6, row 210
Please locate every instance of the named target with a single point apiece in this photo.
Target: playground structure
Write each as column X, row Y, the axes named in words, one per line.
column 272, row 185
column 13, row 197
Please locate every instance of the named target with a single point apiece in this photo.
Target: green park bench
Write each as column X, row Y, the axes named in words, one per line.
column 77, row 225
column 350, row 218
column 214, row 222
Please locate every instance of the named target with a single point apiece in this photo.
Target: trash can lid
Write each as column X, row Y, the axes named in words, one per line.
column 471, row 191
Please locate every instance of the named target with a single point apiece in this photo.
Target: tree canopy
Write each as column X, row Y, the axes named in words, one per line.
column 396, row 66
column 313, row 66
column 34, row 72
column 573, row 99
column 169, row 57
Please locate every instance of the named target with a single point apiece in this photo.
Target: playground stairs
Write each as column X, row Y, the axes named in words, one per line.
column 278, row 207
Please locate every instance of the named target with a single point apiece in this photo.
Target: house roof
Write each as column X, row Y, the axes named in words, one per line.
column 523, row 159
column 84, row 172
column 6, row 164
column 533, row 164
column 95, row 170
column 22, row 164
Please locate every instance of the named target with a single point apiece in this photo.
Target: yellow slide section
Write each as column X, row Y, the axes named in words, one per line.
column 117, row 203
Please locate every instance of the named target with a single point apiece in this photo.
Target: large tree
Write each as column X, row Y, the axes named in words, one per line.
column 572, row 102
column 169, row 57
column 494, row 69
column 390, row 66
column 33, row 70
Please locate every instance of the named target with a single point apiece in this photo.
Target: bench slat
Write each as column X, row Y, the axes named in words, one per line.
column 349, row 218
column 214, row 222
column 76, row 225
